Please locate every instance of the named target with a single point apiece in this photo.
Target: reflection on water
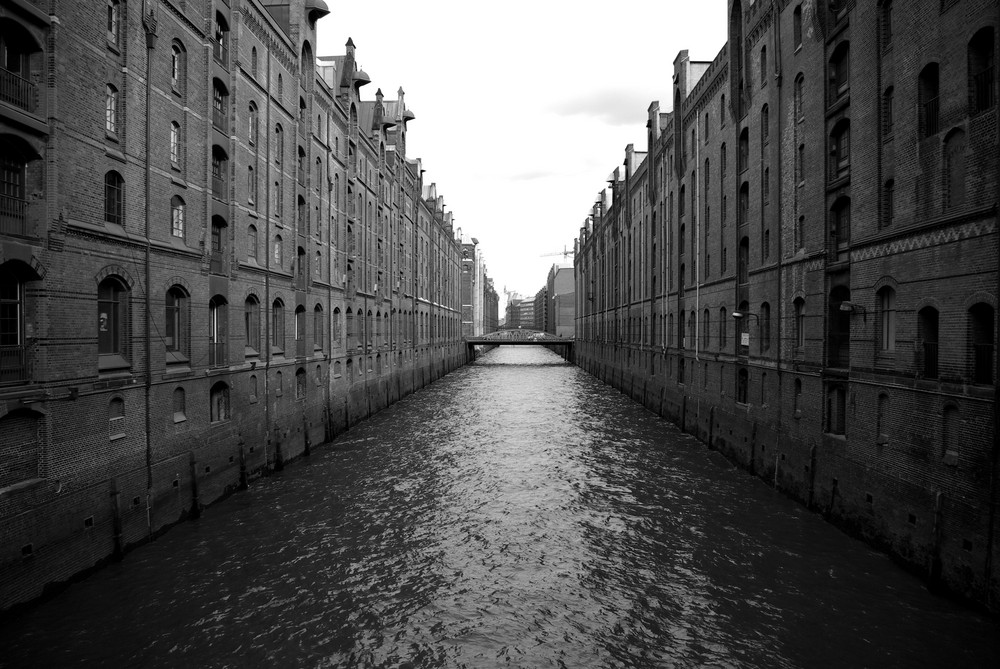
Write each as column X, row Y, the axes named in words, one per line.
column 515, row 513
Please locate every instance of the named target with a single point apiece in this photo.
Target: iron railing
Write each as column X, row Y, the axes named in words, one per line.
column 13, row 364
column 13, row 219
column 18, row 91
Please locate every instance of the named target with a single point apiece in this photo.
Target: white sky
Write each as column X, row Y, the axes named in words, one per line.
column 524, row 107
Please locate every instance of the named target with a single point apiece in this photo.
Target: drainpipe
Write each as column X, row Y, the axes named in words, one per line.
column 149, row 25
column 697, row 241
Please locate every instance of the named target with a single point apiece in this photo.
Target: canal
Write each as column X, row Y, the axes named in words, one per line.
column 517, row 513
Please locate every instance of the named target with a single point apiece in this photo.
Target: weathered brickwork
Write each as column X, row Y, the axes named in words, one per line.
column 214, row 256
column 832, row 177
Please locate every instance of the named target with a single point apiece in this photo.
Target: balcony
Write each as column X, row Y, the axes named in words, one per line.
column 221, row 51
column 18, row 91
column 219, row 119
column 13, row 364
column 13, row 219
column 217, row 354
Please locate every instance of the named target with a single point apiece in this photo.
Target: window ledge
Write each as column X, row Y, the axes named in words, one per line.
column 116, row 437
column 111, row 363
column 112, row 152
column 179, row 417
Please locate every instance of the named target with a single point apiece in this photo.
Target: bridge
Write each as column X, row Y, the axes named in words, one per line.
column 519, row 337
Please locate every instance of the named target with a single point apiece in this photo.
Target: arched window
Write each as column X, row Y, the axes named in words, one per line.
column 840, row 149
column 251, row 185
column 888, row 202
column 799, row 310
column 220, row 172
column 723, row 319
column 114, row 22
column 763, row 66
column 300, row 330
column 111, row 109
column 218, row 332
column 278, row 326
column 251, row 326
column 180, row 405
column 743, row 210
column 887, row 319
column 279, row 387
column 797, row 93
column 335, row 331
column 318, row 320
column 743, row 156
column 838, row 328
column 705, row 329
column 112, row 323
column 175, row 144
column 951, row 437
column 954, row 169
column 252, row 124
column 300, row 383
column 840, row 82
column 765, row 327
column 840, row 223
column 350, row 328
column 742, row 385
column 219, row 402
column 279, row 144
column 220, row 105
column 13, row 362
column 836, row 406
column 178, row 68
column 253, row 62
column 177, row 216
column 982, row 82
column 722, row 160
column 176, row 332
column 221, row 42
column 765, row 124
column 114, row 198
column 253, row 388
column 743, row 262
column 885, row 23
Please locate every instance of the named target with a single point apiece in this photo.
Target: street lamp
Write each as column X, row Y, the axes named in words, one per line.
column 739, row 316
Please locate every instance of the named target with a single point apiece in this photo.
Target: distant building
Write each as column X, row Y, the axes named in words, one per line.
column 541, row 304
column 560, row 313
column 526, row 313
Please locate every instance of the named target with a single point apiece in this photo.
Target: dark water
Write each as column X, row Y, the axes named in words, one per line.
column 517, row 513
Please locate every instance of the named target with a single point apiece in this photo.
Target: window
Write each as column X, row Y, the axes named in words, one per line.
column 887, row 111
column 765, row 124
column 765, row 190
column 277, row 251
column 278, row 199
column 888, row 202
column 251, row 325
column 114, row 198
column 704, row 128
column 840, row 71
column 840, row 150
column 111, row 109
column 116, row 418
column 252, row 242
column 763, row 66
column 300, row 383
column 251, row 185
column 112, row 322
column 13, row 365
column 219, row 402
column 220, row 172
column 221, row 43
column 335, row 332
column 705, row 329
column 281, row 86
column 886, row 23
column 840, row 223
column 177, row 216
column 253, row 388
column 114, row 22
column 220, row 105
column 800, row 164
column 175, row 143
column 836, row 405
column 178, row 64
column 300, row 330
column 743, row 156
column 982, row 83
column 927, row 342
column 887, row 319
column 279, row 144
column 954, row 169
column 799, row 308
column 175, row 331
column 722, row 160
column 252, row 124
column 927, row 96
column 723, row 319
column 217, row 332
column 722, row 111
column 951, row 434
column 253, row 62
column 278, row 325
column 800, row 233
column 742, row 385
column 180, row 405
column 765, row 326
column 318, row 328
column 797, row 26
column 743, row 208
column 981, row 329
column 797, row 92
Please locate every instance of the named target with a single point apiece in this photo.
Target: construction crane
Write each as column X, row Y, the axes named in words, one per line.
column 565, row 253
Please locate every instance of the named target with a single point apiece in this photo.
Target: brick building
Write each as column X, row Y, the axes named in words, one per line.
column 213, row 254
column 801, row 268
column 560, row 317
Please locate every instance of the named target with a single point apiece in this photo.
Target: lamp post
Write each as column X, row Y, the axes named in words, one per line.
column 739, row 316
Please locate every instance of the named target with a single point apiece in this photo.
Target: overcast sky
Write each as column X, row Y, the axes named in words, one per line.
column 524, row 107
